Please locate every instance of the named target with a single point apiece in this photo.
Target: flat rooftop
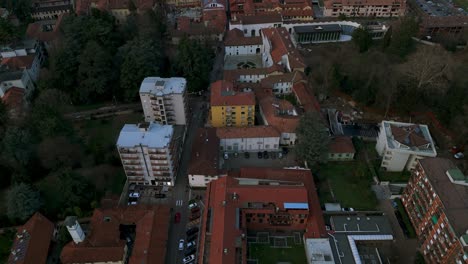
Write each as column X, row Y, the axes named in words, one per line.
column 318, row 28
column 150, row 135
column 162, row 86
column 319, row 251
column 453, row 196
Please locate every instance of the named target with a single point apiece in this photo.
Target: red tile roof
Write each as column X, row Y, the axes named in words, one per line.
column 305, row 97
column 271, row 109
column 205, row 156
column 13, row 98
column 247, row 132
column 233, row 75
column 223, row 94
column 36, row 31
column 18, row 62
column 103, row 243
column 33, row 245
column 411, row 136
column 282, row 45
column 292, row 77
column 341, row 145
column 263, row 19
column 235, row 37
column 295, row 186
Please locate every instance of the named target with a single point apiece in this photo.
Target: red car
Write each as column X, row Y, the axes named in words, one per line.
column 177, row 218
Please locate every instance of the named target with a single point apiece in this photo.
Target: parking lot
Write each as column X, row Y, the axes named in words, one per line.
column 273, row 161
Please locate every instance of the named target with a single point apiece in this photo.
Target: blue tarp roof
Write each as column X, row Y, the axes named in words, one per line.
column 296, row 206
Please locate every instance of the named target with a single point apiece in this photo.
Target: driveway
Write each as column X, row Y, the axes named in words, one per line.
column 406, row 248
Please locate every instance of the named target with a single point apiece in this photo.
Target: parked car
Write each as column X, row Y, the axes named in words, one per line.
column 190, row 251
column 280, row 155
column 181, row 244
column 191, row 244
column 259, row 155
column 177, row 218
column 192, row 237
column 192, row 205
column 132, row 203
column 189, row 259
column 134, row 194
column 246, row 155
column 226, row 155
column 192, row 231
column 459, row 155
column 195, row 210
column 456, row 149
column 285, row 151
column 265, row 154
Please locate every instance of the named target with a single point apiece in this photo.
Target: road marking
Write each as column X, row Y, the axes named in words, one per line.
column 179, row 202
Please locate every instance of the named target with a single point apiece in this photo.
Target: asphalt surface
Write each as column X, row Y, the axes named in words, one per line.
column 180, row 192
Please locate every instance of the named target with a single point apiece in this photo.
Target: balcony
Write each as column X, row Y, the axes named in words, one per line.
column 130, row 157
column 158, row 157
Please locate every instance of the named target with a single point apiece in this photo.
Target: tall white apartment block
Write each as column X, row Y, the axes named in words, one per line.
column 401, row 145
column 149, row 154
column 164, row 100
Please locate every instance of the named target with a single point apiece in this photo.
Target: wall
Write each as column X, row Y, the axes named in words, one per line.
column 242, row 50
column 219, row 113
column 249, row 144
column 340, row 156
column 200, row 181
column 249, row 29
column 179, row 104
column 288, row 138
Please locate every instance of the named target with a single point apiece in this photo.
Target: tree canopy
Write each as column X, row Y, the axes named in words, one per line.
column 23, row 201
column 362, row 39
column 313, row 139
column 7, row 31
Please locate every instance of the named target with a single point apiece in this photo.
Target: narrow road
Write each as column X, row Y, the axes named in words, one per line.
column 180, row 192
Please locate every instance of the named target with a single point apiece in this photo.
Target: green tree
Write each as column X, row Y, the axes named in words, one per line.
column 59, row 152
column 95, row 72
column 313, row 139
column 141, row 58
column 194, row 62
column 3, row 117
column 362, row 39
column 401, row 42
column 23, row 201
column 22, row 9
column 76, row 190
column 18, row 146
column 7, row 31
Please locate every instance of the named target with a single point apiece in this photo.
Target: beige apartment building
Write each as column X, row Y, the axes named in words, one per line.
column 370, row 8
column 149, row 154
column 164, row 100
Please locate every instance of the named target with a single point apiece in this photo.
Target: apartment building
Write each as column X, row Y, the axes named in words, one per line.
column 358, row 8
column 50, row 9
column 230, row 107
column 256, row 199
column 149, row 153
column 436, row 200
column 402, row 144
column 164, row 100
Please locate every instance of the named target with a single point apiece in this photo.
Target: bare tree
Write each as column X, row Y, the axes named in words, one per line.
column 429, row 68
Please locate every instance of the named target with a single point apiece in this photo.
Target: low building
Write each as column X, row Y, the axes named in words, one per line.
column 371, row 8
column 133, row 235
column 230, row 107
column 353, row 236
column 248, row 139
column 204, row 166
column 32, row 240
column 319, row 251
column 436, row 199
column 257, row 199
column 402, row 144
column 46, row 31
column 50, row 9
column 149, row 154
column 237, row 44
column 341, row 149
column 305, row 97
column 164, row 100
column 317, row 34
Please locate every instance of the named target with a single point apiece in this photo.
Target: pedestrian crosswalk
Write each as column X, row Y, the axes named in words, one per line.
column 179, row 202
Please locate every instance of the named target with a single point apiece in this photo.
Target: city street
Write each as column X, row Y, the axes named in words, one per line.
column 180, row 192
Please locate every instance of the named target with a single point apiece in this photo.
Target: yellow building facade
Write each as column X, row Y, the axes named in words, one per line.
column 239, row 115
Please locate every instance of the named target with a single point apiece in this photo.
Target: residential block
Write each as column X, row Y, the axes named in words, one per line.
column 357, row 8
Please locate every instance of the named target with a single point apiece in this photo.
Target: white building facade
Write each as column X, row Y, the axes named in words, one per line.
column 248, row 139
column 164, row 100
column 401, row 145
column 149, row 154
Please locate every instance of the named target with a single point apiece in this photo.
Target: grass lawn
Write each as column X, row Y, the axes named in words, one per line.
column 350, row 183
column 265, row 254
column 461, row 3
column 6, row 240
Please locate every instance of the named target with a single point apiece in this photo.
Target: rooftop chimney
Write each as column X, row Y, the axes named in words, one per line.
column 74, row 229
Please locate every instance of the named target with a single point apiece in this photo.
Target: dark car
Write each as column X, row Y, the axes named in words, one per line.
column 192, row 237
column 259, row 155
column 177, row 218
column 246, row 155
column 265, row 154
column 192, row 231
column 159, row 195
column 190, row 251
column 285, row 151
column 194, row 216
column 195, row 210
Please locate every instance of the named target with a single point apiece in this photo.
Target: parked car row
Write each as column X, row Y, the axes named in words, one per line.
column 189, row 245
